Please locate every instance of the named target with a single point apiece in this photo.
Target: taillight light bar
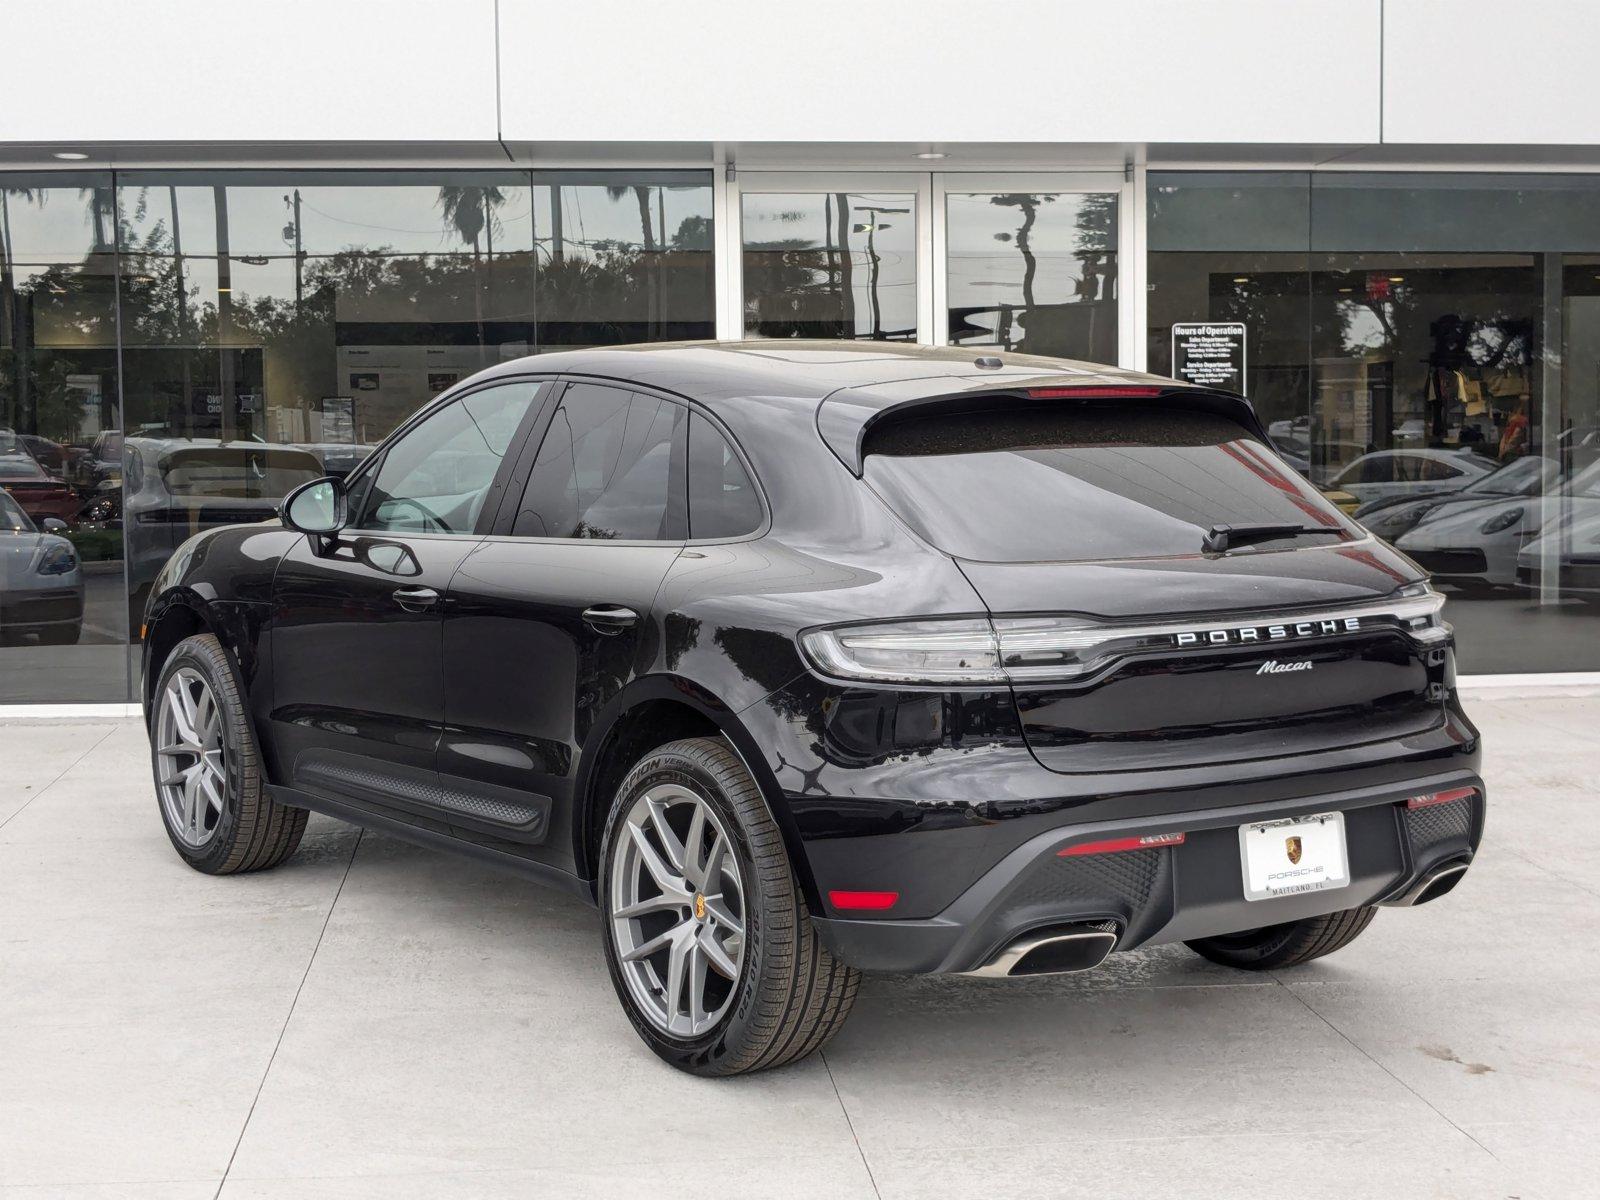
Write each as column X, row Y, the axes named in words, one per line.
column 1429, row 799
column 1094, row 392
column 864, row 901
column 1116, row 845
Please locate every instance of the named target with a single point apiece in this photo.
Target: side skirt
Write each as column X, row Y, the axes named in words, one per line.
column 355, row 815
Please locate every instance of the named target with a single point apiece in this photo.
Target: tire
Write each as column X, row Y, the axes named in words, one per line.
column 1288, row 945
column 788, row 995
column 246, row 831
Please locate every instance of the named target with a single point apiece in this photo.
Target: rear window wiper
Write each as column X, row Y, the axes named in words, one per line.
column 1225, row 537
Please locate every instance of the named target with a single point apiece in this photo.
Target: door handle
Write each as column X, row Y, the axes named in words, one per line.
column 609, row 619
column 416, row 599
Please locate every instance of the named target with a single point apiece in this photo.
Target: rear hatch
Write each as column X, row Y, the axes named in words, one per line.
column 1166, row 591
column 231, row 484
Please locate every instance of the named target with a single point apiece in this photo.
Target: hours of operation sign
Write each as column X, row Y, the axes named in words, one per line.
column 1210, row 354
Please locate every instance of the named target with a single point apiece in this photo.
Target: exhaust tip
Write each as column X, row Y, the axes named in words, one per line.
column 1056, row 950
column 1433, row 883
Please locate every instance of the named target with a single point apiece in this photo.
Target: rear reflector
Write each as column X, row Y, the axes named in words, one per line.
column 1443, row 797
column 864, row 901
column 1149, row 842
column 1093, row 392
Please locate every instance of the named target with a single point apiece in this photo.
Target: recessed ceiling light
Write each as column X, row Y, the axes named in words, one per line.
column 932, row 155
column 71, row 155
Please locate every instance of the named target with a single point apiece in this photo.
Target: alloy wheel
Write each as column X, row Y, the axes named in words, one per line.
column 191, row 764
column 677, row 910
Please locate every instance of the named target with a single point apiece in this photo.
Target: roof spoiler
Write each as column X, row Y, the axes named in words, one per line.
column 845, row 422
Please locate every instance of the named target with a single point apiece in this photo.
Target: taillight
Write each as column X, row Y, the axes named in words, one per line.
column 863, row 901
column 1429, row 799
column 1149, row 841
column 1058, row 649
column 960, row 651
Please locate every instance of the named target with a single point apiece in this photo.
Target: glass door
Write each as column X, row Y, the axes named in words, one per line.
column 1029, row 263
column 833, row 256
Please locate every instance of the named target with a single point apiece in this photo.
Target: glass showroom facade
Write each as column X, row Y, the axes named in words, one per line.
column 178, row 349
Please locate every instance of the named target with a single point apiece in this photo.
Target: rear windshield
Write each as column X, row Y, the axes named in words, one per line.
column 237, row 472
column 1086, row 483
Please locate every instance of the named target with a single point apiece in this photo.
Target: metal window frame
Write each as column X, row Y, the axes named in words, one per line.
column 931, row 189
column 736, row 184
column 1120, row 183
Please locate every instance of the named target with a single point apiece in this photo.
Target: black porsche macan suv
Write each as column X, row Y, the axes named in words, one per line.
column 804, row 658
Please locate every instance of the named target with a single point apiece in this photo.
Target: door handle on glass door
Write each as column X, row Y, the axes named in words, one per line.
column 609, row 618
column 416, row 599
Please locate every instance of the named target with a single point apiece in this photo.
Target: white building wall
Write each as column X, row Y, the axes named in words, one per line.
column 1491, row 72
column 247, row 70
column 941, row 70
column 1223, row 72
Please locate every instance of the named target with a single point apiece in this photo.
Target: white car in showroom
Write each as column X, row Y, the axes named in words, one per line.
column 1485, row 543
column 41, row 583
column 1571, row 541
column 1386, row 473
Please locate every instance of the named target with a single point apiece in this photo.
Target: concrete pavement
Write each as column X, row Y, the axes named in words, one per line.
column 374, row 1020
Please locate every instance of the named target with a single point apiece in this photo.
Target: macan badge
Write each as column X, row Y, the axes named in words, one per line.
column 1292, row 847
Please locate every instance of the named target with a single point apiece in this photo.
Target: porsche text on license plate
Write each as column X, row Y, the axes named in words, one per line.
column 1286, row 858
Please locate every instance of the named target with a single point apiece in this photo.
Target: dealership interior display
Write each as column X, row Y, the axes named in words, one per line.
column 1425, row 349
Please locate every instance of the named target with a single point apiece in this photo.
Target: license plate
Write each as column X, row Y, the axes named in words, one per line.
column 1286, row 858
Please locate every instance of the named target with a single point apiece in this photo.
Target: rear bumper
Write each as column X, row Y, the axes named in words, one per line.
column 1176, row 893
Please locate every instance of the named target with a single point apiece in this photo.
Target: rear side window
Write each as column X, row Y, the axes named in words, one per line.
column 1084, row 483
column 722, row 499
column 1378, row 468
column 610, row 467
column 1432, row 470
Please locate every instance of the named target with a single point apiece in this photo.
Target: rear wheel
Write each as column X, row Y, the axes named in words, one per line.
column 207, row 770
column 708, row 940
column 1285, row 945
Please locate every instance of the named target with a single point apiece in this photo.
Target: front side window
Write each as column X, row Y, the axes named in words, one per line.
column 435, row 479
column 610, row 468
column 1089, row 483
column 12, row 518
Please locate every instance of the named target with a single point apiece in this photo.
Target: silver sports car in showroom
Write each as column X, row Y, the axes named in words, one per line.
column 41, row 584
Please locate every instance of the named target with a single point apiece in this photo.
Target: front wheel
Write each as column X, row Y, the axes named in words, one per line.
column 207, row 770
column 707, row 937
column 1286, row 945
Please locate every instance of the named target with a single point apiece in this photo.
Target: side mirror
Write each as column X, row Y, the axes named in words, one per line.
column 53, row 525
column 318, row 508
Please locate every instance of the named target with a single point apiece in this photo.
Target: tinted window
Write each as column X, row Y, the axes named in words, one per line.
column 722, row 499
column 1379, row 468
column 1085, row 483
column 435, row 478
column 241, row 471
column 1433, row 469
column 12, row 518
column 610, row 467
